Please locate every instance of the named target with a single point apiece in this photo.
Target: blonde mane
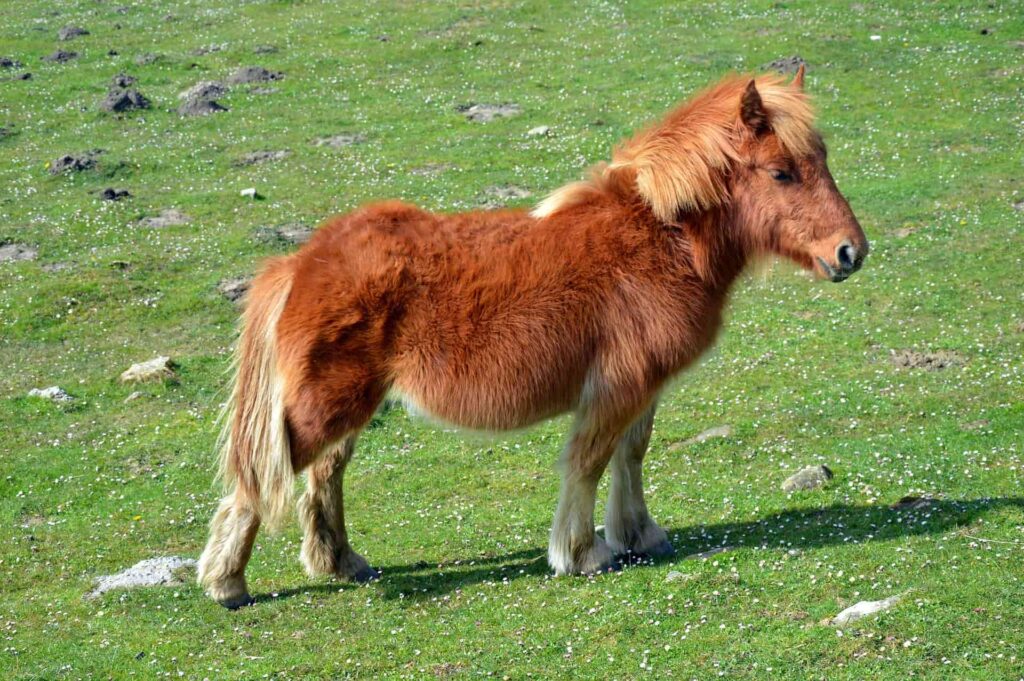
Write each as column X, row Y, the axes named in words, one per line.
column 681, row 162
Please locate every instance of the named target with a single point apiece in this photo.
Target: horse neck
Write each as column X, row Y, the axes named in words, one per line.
column 717, row 255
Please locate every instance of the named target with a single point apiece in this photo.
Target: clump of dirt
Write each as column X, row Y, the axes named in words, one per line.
column 122, row 80
column 74, row 162
column 60, row 56
column 147, row 58
column 292, row 233
column 111, row 194
column 484, row 113
column 11, row 252
column 71, row 32
column 930, row 361
column 339, row 141
column 501, row 195
column 257, row 157
column 119, row 101
column 785, row 65
column 8, row 63
column 432, row 169
column 234, row 289
column 199, row 106
column 167, row 218
column 204, row 89
column 253, row 74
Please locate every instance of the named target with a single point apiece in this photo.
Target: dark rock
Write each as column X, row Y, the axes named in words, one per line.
column 24, row 76
column 122, row 80
column 71, row 32
column 253, row 74
column 786, row 65
column 74, row 163
column 111, row 194
column 60, row 56
column 118, row 101
column 8, row 63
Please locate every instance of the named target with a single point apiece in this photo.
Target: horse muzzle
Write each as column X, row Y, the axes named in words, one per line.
column 848, row 259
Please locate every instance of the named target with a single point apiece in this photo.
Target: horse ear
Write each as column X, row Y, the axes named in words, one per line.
column 798, row 80
column 752, row 111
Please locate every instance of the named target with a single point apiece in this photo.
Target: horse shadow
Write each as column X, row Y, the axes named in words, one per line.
column 797, row 529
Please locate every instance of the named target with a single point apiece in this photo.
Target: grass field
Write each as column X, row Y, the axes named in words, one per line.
column 925, row 131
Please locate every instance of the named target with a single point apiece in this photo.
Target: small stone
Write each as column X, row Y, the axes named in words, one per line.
column 338, row 141
column 250, row 193
column 119, row 101
column 111, row 194
column 11, row 252
column 862, row 609
column 808, row 478
column 234, row 289
column 709, row 434
column 704, row 555
column 71, row 32
column 60, row 56
column 539, row 131
column 169, row 217
column 253, row 74
column 157, row 369
column 484, row 113
column 53, row 393
column 167, row 571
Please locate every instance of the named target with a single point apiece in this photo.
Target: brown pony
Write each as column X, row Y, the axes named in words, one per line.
column 496, row 319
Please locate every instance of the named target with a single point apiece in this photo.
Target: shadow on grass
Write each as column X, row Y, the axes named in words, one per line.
column 796, row 529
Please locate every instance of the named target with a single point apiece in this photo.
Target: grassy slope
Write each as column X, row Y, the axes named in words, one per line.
column 925, row 133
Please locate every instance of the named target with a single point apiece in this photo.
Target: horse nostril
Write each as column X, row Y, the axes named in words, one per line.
column 846, row 256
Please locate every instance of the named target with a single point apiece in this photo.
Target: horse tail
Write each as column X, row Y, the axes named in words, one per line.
column 255, row 449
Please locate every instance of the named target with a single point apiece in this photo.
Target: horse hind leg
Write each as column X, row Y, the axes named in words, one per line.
column 629, row 528
column 222, row 565
column 325, row 547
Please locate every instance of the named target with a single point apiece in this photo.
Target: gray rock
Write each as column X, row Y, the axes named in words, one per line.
column 539, row 131
column 53, row 393
column 811, row 477
column 484, row 113
column 253, row 74
column 118, row 101
column 71, row 32
column 156, row 369
column 861, row 610
column 235, row 289
column 169, row 217
column 15, row 252
column 167, row 571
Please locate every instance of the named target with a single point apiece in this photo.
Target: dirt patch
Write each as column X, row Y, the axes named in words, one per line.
column 71, row 32
column 167, row 571
column 111, row 194
column 60, row 56
column 147, row 58
column 169, row 217
column 234, row 289
column 265, row 49
column 119, row 101
column 432, row 169
column 257, row 157
column 199, row 106
column 206, row 49
column 501, row 195
column 122, row 80
column 930, row 361
column 785, row 65
column 709, row 434
column 74, row 162
column 346, row 139
column 204, row 89
column 485, row 113
column 253, row 74
column 11, row 252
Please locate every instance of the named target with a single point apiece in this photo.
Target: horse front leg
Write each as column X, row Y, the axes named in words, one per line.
column 325, row 547
column 575, row 548
column 628, row 527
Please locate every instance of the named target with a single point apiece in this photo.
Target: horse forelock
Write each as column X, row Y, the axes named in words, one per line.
column 682, row 161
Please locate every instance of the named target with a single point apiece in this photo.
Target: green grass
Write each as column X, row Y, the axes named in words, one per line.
column 925, row 133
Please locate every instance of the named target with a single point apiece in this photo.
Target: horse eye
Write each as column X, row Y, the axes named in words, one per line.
column 781, row 176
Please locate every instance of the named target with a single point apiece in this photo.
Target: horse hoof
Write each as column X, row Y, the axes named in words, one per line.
column 236, row 602
column 367, row 574
column 661, row 550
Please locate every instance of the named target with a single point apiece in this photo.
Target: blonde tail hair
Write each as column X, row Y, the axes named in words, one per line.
column 255, row 450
